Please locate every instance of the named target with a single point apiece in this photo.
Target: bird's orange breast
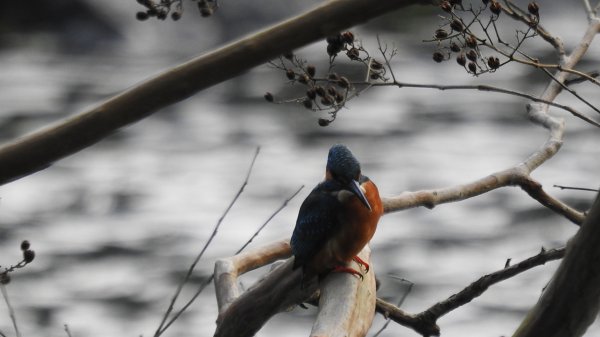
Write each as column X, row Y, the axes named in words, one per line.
column 358, row 225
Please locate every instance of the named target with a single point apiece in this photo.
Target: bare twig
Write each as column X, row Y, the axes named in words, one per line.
column 212, row 276
column 490, row 89
column 425, row 322
column 285, row 203
column 576, row 188
column 11, row 311
column 161, row 328
column 399, row 304
column 68, row 331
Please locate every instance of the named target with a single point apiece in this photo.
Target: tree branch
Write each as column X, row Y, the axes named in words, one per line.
column 346, row 305
column 425, row 323
column 40, row 149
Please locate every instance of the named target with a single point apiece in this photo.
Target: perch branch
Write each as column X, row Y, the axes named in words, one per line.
column 40, row 149
column 347, row 304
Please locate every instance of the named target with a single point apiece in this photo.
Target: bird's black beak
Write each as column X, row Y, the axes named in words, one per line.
column 355, row 188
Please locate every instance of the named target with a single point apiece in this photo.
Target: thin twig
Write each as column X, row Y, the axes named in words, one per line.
column 11, row 311
column 212, row 276
column 402, row 298
column 492, row 89
column 68, row 331
column 161, row 328
column 576, row 188
column 285, row 203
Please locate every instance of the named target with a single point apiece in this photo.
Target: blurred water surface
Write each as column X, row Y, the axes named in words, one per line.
column 116, row 225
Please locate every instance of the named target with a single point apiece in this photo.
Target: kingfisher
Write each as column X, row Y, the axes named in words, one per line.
column 337, row 219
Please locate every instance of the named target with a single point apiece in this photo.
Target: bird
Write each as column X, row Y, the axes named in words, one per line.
column 337, row 219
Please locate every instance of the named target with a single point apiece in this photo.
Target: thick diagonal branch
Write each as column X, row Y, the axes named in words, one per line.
column 40, row 149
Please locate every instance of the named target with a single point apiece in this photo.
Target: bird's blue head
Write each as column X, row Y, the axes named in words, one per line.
column 342, row 164
column 343, row 167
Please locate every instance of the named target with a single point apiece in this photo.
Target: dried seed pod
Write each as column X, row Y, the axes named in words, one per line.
column 176, row 16
column 472, row 67
column 446, row 6
column 28, row 255
column 142, row 16
column 339, row 98
column 343, row 82
column 347, row 37
column 308, row 104
column 454, row 47
column 331, row 91
column 457, row 25
column 303, row 79
column 495, row 7
column 461, row 59
column 4, row 278
column 327, row 100
column 290, row 74
column 311, row 93
column 472, row 55
column 289, row 55
column 493, row 62
column 25, row 245
column 324, row 122
column 440, row 34
column 333, row 77
column 534, row 8
column 376, row 65
column 320, row 91
column 353, row 54
column 438, row 56
column 206, row 12
column 334, row 49
column 311, row 70
column 471, row 41
column 375, row 76
column 269, row 97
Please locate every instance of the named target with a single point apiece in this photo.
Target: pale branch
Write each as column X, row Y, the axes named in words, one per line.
column 571, row 302
column 425, row 323
column 161, row 328
column 489, row 88
column 508, row 177
column 40, row 149
column 352, row 299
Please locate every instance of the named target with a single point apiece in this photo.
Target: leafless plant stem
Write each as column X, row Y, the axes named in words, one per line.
column 161, row 328
column 11, row 311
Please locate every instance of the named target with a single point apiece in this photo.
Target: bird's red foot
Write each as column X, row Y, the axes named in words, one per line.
column 362, row 263
column 342, row 269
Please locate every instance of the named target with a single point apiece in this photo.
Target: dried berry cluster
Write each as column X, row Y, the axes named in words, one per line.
column 28, row 256
column 161, row 9
column 465, row 37
column 330, row 91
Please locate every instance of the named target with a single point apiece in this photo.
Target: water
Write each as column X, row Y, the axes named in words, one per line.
column 116, row 226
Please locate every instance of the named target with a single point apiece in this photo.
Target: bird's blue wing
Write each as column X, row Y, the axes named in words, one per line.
column 317, row 221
